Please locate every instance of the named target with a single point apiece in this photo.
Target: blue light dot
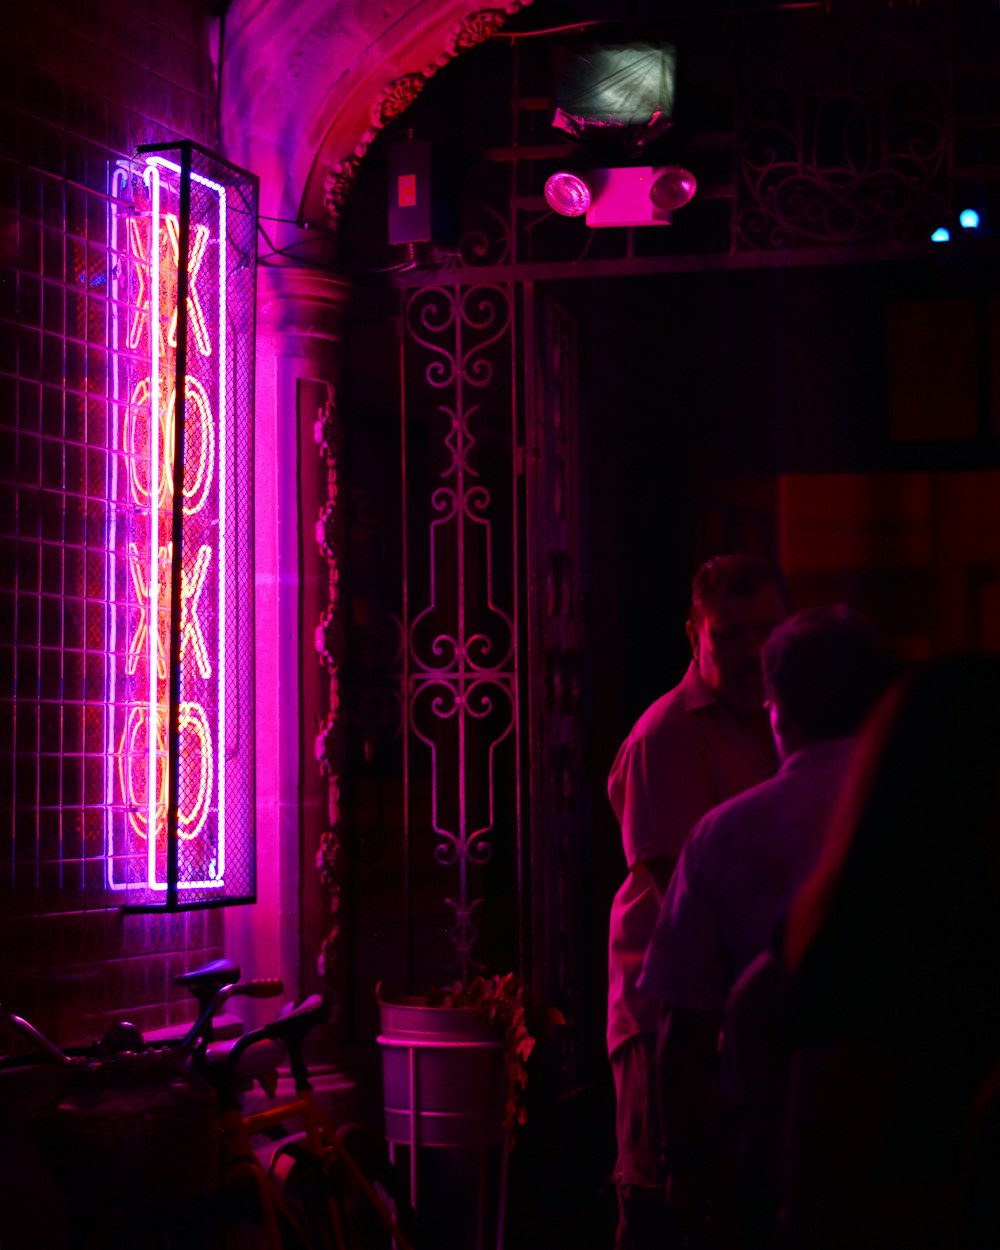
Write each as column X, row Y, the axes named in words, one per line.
column 968, row 219
column 941, row 235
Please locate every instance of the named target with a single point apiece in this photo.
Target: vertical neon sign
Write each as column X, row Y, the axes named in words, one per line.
column 167, row 661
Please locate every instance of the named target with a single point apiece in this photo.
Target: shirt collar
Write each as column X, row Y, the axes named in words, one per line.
column 817, row 753
column 694, row 692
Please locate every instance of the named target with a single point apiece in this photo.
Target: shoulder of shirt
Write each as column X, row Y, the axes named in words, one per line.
column 729, row 816
column 833, row 754
column 671, row 709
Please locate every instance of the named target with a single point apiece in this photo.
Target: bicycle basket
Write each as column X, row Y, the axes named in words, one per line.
column 141, row 1136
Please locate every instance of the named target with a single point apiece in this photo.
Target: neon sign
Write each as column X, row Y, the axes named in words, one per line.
column 154, row 257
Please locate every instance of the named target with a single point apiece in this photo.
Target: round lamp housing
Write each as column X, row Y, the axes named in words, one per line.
column 567, row 193
column 674, row 187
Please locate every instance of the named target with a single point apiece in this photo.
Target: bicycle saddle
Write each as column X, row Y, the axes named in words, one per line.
column 209, row 977
column 250, row 1057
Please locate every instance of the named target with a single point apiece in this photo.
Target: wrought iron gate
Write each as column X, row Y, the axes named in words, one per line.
column 463, row 730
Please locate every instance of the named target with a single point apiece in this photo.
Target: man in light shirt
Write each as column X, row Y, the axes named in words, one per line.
column 697, row 745
column 746, row 859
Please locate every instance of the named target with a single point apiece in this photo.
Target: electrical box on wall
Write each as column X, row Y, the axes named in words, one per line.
column 410, row 193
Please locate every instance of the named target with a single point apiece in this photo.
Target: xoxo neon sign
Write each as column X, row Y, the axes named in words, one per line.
column 167, row 669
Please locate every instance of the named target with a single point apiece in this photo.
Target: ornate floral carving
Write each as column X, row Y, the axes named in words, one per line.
column 326, row 529
column 329, row 744
column 330, row 956
column 338, row 183
column 328, row 862
column 477, row 28
column 326, row 433
column 326, row 430
column 328, row 633
column 396, row 98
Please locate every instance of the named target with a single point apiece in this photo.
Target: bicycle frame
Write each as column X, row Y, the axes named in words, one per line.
column 321, row 1143
column 227, row 1068
column 244, row 1164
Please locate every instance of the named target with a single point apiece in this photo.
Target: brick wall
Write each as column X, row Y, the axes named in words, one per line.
column 81, row 85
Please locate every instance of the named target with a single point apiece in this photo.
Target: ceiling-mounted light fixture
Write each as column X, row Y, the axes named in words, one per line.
column 633, row 195
column 617, row 92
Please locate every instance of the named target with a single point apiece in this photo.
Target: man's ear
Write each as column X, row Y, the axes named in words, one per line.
column 787, row 734
column 693, row 639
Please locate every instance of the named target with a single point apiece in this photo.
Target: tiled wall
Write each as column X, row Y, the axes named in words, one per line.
column 81, row 85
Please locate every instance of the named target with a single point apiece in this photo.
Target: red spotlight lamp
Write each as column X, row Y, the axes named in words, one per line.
column 634, row 195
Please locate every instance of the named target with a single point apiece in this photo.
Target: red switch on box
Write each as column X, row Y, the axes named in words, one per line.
column 409, row 192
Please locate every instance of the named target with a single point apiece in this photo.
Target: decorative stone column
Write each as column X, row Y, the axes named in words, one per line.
column 297, row 529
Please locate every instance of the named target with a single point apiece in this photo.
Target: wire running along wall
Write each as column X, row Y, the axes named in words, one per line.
column 179, row 783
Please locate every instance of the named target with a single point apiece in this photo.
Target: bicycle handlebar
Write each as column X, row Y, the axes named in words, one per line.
column 260, row 987
column 38, row 1039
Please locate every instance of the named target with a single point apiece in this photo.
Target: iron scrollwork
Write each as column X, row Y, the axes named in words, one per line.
column 845, row 143
column 461, row 698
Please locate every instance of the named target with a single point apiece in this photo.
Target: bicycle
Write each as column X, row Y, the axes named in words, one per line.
column 121, row 1133
column 318, row 1189
column 336, row 1188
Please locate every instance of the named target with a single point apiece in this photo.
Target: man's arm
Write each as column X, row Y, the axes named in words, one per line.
column 661, row 869
column 661, row 784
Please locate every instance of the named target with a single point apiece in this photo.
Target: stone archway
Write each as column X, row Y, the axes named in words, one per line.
column 304, row 89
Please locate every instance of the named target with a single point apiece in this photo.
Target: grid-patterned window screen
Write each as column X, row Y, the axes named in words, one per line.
column 82, row 86
column 178, row 614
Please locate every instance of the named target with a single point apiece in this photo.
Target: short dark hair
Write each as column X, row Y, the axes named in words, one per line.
column 828, row 667
column 735, row 574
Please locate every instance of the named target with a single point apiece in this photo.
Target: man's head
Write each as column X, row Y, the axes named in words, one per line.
column 736, row 601
column 823, row 671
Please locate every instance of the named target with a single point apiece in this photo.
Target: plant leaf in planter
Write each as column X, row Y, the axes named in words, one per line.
column 506, row 1002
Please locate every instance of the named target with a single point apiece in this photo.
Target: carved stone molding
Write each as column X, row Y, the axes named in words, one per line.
column 396, row 97
column 330, row 960
column 338, row 185
column 477, row 28
column 329, row 644
column 298, row 301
